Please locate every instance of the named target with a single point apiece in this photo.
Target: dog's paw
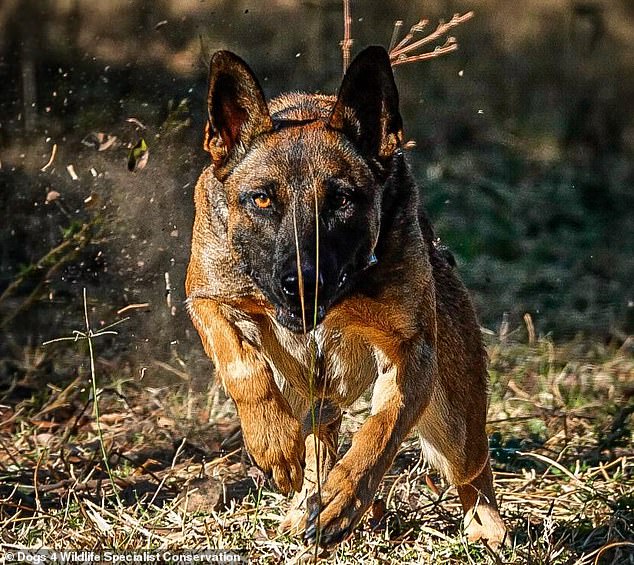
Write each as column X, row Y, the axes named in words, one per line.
column 485, row 525
column 277, row 447
column 295, row 519
column 288, row 474
column 333, row 518
column 293, row 522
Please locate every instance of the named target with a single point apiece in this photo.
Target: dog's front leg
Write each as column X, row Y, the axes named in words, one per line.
column 271, row 433
column 400, row 395
column 321, row 428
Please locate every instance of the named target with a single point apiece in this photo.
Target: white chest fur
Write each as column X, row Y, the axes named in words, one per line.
column 322, row 362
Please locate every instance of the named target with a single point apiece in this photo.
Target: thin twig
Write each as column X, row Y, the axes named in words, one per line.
column 441, row 30
column 93, row 380
column 300, row 275
column 38, row 504
column 346, row 44
column 133, row 307
column 316, row 420
column 397, row 29
column 89, row 335
column 404, row 50
column 51, row 256
column 168, row 367
column 52, row 158
column 165, row 477
column 557, row 466
column 416, row 28
column 37, row 292
column 437, row 52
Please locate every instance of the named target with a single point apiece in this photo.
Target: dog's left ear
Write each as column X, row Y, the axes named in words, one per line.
column 366, row 110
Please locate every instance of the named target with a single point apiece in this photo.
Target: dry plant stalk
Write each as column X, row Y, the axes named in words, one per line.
column 346, row 43
column 404, row 51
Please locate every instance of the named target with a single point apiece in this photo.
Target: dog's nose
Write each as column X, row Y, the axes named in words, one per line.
column 311, row 280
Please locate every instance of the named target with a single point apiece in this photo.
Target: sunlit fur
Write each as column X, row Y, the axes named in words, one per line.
column 402, row 323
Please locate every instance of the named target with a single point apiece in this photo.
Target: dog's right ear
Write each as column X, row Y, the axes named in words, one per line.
column 237, row 110
column 366, row 110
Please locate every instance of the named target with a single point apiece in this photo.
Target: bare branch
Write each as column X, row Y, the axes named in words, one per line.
column 404, row 50
column 398, row 24
column 450, row 45
column 416, row 28
column 346, row 44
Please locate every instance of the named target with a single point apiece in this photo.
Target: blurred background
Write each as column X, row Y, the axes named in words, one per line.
column 524, row 141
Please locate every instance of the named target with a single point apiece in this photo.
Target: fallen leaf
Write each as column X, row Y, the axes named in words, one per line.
column 71, row 172
column 44, row 438
column 52, row 195
column 165, row 422
column 148, row 466
column 138, row 156
column 45, row 424
column 432, row 485
column 99, row 140
column 135, row 122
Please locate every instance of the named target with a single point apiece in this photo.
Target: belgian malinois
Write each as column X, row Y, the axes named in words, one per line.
column 315, row 274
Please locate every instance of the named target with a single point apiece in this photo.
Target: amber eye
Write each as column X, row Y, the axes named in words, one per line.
column 341, row 200
column 262, row 201
column 341, row 194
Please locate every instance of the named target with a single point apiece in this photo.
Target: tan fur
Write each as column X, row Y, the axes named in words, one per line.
column 415, row 340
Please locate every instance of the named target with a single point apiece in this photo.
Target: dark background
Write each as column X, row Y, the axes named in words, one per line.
column 524, row 145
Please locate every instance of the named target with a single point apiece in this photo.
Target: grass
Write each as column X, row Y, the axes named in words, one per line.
column 176, row 476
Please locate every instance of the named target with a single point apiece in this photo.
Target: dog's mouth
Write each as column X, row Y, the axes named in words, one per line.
column 293, row 320
column 289, row 312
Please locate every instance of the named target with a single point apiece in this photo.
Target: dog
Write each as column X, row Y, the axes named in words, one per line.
column 315, row 274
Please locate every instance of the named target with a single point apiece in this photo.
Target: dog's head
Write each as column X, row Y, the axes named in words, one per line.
column 304, row 180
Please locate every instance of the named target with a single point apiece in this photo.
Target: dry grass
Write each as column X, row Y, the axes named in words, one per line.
column 561, row 443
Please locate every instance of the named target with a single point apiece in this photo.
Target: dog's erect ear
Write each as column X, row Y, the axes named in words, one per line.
column 366, row 110
column 237, row 109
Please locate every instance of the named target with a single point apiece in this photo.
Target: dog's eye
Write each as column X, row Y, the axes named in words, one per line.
column 340, row 194
column 262, row 201
column 340, row 200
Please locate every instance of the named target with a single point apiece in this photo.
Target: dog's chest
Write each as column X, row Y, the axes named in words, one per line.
column 327, row 362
